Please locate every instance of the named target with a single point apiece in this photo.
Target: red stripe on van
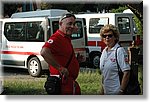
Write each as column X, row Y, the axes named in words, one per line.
column 91, row 43
column 20, row 53
column 101, row 44
column 80, row 49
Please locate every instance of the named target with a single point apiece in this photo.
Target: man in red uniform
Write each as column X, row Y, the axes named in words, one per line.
column 57, row 52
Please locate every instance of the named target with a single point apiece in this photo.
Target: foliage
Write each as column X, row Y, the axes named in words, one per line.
column 119, row 10
column 139, row 26
column 45, row 6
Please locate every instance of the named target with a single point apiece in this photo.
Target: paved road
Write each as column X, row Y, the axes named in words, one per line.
column 8, row 71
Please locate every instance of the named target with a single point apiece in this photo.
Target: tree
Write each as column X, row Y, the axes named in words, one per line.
column 137, row 9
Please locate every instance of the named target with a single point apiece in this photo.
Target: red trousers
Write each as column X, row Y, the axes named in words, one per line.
column 70, row 87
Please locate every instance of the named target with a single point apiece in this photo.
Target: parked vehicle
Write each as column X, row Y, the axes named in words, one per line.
column 95, row 21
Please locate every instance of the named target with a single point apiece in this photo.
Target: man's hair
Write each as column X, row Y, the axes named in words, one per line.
column 67, row 15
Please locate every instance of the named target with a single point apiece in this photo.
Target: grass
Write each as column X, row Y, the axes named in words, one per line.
column 89, row 81
column 140, row 77
column 23, row 86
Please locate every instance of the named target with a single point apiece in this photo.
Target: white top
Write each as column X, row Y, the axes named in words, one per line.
column 108, row 67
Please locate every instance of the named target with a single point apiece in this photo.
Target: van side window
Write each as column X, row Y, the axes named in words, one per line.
column 95, row 24
column 35, row 31
column 40, row 33
column 24, row 31
column 14, row 31
column 76, row 34
column 124, row 25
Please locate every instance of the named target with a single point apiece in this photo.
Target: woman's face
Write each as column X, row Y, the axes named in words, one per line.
column 109, row 39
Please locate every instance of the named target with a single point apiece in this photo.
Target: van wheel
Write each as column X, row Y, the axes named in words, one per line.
column 95, row 59
column 34, row 67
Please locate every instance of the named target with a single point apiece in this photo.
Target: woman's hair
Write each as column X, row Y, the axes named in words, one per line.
column 110, row 27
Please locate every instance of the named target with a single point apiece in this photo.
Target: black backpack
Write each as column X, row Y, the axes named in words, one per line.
column 133, row 87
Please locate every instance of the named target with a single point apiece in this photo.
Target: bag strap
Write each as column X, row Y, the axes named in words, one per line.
column 119, row 69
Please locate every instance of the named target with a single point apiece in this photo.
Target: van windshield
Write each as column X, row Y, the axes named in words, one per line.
column 95, row 24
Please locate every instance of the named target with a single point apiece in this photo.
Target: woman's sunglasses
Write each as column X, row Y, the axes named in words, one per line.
column 109, row 36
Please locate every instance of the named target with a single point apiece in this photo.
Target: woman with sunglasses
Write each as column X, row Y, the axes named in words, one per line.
column 108, row 66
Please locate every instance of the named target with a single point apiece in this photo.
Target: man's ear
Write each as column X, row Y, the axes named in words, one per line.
column 60, row 23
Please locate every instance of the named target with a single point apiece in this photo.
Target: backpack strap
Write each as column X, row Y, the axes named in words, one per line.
column 119, row 69
column 120, row 73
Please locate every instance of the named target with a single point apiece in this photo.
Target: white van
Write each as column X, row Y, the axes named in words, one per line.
column 39, row 13
column 94, row 22
column 23, row 38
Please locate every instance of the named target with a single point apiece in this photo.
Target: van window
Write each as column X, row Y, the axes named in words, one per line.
column 14, row 31
column 124, row 25
column 24, row 31
column 79, row 33
column 76, row 35
column 95, row 24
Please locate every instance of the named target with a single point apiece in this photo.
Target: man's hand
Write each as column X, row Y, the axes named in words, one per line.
column 64, row 71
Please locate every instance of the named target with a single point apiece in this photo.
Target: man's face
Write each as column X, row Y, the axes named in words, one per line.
column 68, row 25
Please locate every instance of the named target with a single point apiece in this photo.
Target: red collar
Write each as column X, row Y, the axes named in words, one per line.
column 62, row 34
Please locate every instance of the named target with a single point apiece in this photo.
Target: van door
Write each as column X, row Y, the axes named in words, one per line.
column 79, row 40
column 125, row 26
column 78, row 37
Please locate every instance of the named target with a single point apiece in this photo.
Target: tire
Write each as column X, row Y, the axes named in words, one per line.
column 34, row 67
column 95, row 59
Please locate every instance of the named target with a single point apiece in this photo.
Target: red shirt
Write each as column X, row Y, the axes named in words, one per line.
column 61, row 48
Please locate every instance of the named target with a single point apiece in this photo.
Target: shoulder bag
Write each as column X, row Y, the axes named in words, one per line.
column 133, row 86
column 53, row 83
